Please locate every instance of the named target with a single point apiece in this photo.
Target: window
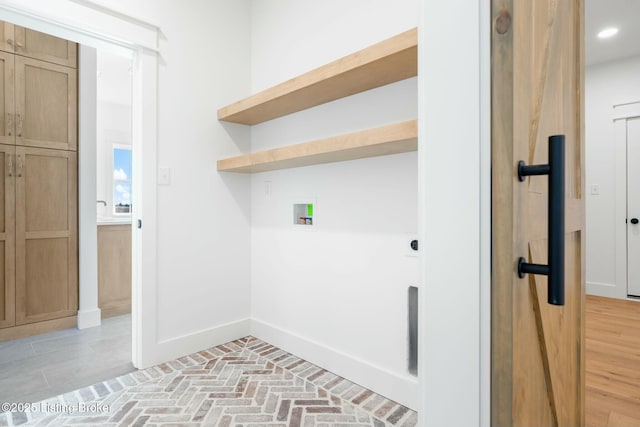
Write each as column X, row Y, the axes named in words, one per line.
column 121, row 181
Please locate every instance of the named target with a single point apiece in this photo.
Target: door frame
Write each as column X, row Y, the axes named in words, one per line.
column 454, row 202
column 98, row 26
column 620, row 114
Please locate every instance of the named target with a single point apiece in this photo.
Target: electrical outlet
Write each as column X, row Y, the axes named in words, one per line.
column 164, row 176
column 410, row 242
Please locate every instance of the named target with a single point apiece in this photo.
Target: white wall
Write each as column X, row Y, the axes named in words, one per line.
column 606, row 84
column 337, row 295
column 203, row 277
column 113, row 120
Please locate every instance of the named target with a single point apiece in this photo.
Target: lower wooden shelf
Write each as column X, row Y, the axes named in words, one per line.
column 381, row 141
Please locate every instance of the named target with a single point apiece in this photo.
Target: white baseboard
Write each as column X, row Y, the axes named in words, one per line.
column 402, row 389
column 608, row 290
column 89, row 318
column 192, row 343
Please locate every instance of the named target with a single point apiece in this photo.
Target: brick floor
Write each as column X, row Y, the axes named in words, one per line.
column 242, row 383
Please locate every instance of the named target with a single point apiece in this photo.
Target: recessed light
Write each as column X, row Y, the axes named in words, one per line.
column 607, row 32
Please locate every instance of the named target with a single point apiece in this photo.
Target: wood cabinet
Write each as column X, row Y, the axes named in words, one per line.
column 7, row 99
column 38, row 184
column 46, row 234
column 34, row 44
column 38, row 98
column 114, row 269
column 7, row 236
column 46, row 104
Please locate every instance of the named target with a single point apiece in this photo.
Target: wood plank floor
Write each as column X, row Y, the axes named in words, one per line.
column 612, row 362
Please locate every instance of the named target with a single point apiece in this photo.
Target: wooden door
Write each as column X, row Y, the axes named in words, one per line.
column 6, row 37
column 46, row 234
column 537, row 91
column 7, row 235
column 633, row 206
column 7, row 99
column 46, row 104
column 34, row 44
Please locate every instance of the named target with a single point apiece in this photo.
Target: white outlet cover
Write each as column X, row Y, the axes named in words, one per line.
column 164, row 176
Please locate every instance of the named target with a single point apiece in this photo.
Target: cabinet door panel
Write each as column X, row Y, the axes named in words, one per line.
column 46, row 234
column 7, row 99
column 6, row 32
column 7, row 236
column 114, row 269
column 46, row 105
column 34, row 44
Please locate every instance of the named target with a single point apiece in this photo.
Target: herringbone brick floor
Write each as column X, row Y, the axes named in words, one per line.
column 243, row 383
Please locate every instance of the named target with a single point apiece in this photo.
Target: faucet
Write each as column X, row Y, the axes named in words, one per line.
column 103, row 202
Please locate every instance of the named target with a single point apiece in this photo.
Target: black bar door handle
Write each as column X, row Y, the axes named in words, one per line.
column 555, row 241
column 634, row 221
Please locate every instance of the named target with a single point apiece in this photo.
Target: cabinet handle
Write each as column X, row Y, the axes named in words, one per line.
column 19, row 45
column 20, row 165
column 10, row 42
column 19, row 125
column 9, row 124
column 10, row 164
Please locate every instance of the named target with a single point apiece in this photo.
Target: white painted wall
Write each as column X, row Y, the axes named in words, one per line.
column 606, row 85
column 114, row 90
column 203, row 217
column 337, row 295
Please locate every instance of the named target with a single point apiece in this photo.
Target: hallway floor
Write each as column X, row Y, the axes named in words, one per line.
column 612, row 376
column 41, row 366
column 243, row 383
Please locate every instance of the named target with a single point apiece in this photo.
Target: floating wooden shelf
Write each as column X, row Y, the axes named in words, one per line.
column 381, row 141
column 386, row 62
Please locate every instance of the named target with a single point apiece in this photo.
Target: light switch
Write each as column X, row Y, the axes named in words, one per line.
column 164, row 176
column 595, row 189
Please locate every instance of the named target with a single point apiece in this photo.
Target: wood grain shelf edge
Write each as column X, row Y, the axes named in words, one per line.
column 383, row 63
column 385, row 140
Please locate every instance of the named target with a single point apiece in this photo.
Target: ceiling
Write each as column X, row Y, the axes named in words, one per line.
column 600, row 14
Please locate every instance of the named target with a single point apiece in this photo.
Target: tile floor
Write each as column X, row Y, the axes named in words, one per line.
column 243, row 383
column 38, row 367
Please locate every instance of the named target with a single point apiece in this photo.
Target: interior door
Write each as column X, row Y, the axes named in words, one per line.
column 633, row 206
column 46, row 234
column 537, row 92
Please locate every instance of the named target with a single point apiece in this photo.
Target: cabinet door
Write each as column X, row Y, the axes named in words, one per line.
column 7, row 236
column 34, row 44
column 7, row 99
column 46, row 234
column 7, row 40
column 46, row 105
column 114, row 269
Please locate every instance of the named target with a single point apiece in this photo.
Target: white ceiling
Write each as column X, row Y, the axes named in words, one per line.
column 600, row 14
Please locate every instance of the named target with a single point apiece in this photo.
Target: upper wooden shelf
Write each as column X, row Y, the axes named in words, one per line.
column 381, row 141
column 386, row 62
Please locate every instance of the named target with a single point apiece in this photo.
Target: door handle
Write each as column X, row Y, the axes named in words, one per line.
column 634, row 221
column 555, row 231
